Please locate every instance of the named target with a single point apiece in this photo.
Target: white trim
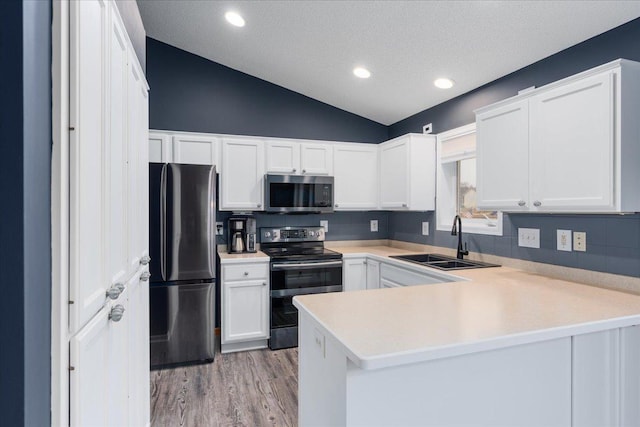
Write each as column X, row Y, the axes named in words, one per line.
column 446, row 189
column 60, row 215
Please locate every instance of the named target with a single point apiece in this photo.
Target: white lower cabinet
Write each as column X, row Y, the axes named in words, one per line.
column 245, row 306
column 109, row 357
column 373, row 274
column 354, row 274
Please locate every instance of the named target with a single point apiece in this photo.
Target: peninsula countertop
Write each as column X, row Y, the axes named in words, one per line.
column 492, row 308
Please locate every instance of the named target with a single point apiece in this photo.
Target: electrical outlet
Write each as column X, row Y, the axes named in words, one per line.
column 325, row 224
column 580, row 241
column 425, row 228
column 427, row 128
column 320, row 342
column 529, row 237
column 219, row 229
column 564, row 240
column 374, row 225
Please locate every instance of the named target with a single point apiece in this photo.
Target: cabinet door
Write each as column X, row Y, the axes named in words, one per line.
column 502, row 157
column 394, row 169
column 195, row 150
column 316, row 159
column 283, row 157
column 160, row 148
column 138, row 312
column 245, row 311
column 373, row 274
column 242, row 175
column 354, row 274
column 99, row 380
column 384, row 283
column 88, row 210
column 356, row 176
column 117, row 149
column 572, row 146
column 143, row 168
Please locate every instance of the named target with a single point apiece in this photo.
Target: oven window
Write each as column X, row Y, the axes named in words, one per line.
column 306, row 278
column 283, row 312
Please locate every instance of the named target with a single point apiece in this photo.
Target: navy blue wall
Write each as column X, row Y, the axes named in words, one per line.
column 190, row 93
column 25, row 234
column 613, row 241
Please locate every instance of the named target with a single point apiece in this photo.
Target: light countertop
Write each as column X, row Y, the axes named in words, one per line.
column 227, row 258
column 493, row 308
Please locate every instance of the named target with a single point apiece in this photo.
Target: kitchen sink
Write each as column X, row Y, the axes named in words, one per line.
column 443, row 262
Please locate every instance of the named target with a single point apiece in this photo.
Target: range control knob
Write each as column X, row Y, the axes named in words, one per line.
column 312, row 233
column 267, row 234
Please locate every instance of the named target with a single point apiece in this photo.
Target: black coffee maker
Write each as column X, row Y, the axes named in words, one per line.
column 242, row 234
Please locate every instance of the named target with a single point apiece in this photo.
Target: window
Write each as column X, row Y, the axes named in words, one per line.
column 456, row 192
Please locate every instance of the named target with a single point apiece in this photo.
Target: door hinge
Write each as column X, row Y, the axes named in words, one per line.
column 72, row 128
column 72, row 368
column 71, row 302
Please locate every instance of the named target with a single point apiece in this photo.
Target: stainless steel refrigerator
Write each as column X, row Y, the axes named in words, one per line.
column 182, row 243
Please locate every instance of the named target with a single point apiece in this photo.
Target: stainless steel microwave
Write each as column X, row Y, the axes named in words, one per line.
column 298, row 193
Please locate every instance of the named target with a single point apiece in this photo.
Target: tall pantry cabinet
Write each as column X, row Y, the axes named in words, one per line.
column 108, row 221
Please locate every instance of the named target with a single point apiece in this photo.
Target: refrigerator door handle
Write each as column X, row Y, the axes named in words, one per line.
column 163, row 222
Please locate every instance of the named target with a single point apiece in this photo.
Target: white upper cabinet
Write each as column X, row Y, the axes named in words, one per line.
column 242, row 175
column 355, row 168
column 572, row 145
column 160, row 148
column 316, row 159
column 503, row 136
column 299, row 158
column 196, row 149
column 283, row 156
column 408, row 173
column 580, row 135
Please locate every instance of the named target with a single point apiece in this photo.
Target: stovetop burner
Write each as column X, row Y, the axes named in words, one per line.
column 289, row 243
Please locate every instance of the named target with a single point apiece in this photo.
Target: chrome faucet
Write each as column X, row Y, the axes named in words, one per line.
column 457, row 231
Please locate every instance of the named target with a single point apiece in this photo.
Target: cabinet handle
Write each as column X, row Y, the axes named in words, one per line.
column 246, row 273
column 145, row 260
column 522, row 203
column 336, row 205
column 364, row 262
column 116, row 313
column 145, row 276
column 293, row 170
column 264, row 283
column 114, row 291
column 537, row 203
column 304, row 171
column 404, row 205
column 259, row 205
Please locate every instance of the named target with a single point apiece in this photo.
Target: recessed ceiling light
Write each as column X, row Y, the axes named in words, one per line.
column 234, row 19
column 443, row 83
column 363, row 73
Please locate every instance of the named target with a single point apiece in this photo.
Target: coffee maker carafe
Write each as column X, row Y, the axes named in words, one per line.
column 242, row 235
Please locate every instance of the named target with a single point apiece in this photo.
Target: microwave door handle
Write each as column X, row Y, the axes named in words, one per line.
column 293, row 266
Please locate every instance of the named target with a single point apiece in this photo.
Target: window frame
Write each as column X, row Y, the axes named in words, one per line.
column 446, row 188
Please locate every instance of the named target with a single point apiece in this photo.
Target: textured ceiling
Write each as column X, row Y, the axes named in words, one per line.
column 311, row 47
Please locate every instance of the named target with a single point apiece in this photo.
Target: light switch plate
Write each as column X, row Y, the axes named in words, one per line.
column 325, row 224
column 564, row 240
column 425, row 228
column 580, row 241
column 219, row 229
column 529, row 237
column 374, row 225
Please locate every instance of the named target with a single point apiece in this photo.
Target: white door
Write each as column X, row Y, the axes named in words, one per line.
column 99, row 381
column 195, row 150
column 572, row 145
column 138, row 308
column 160, row 148
column 316, row 159
column 116, row 201
column 355, row 169
column 89, row 275
column 242, row 175
column 283, row 157
column 355, row 274
column 502, row 157
column 373, row 274
column 394, row 173
column 245, row 311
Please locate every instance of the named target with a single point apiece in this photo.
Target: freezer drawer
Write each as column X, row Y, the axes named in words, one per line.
column 182, row 323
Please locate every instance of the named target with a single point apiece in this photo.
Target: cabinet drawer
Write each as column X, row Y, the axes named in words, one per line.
column 245, row 271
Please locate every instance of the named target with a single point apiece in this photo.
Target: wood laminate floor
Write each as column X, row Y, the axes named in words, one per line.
column 251, row 388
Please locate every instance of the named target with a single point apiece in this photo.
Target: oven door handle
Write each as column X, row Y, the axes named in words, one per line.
column 303, row 265
column 305, row 291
